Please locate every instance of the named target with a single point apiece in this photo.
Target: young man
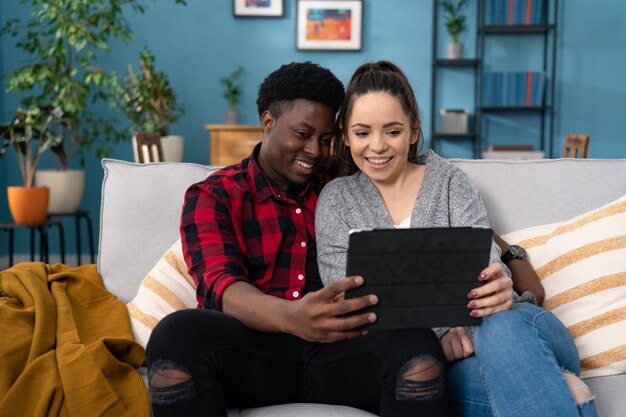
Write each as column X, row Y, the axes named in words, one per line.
column 263, row 333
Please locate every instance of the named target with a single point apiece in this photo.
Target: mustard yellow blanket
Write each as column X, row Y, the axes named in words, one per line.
column 66, row 346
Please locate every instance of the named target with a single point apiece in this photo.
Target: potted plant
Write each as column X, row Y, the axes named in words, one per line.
column 455, row 23
column 31, row 132
column 232, row 93
column 149, row 102
column 61, row 41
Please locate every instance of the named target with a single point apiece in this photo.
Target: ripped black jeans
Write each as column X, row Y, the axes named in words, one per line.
column 202, row 362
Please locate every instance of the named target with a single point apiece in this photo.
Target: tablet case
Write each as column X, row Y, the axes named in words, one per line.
column 421, row 276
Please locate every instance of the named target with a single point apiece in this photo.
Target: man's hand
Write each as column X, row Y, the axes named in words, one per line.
column 456, row 344
column 324, row 315
column 496, row 295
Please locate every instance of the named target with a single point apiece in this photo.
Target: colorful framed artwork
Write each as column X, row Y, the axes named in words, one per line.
column 258, row 8
column 329, row 24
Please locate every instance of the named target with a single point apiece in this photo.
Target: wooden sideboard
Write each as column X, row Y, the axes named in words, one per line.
column 232, row 143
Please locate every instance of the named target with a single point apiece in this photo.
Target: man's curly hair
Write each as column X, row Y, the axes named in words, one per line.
column 304, row 80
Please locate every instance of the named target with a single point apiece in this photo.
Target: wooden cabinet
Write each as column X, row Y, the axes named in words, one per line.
column 232, row 143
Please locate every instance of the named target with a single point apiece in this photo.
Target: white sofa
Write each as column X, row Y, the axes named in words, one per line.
column 141, row 207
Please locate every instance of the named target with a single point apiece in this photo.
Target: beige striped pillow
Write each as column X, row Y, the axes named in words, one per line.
column 582, row 266
column 167, row 288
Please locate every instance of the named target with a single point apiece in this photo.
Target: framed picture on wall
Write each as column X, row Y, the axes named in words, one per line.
column 258, row 8
column 329, row 24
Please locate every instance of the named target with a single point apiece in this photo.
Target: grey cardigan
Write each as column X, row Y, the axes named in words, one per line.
column 447, row 198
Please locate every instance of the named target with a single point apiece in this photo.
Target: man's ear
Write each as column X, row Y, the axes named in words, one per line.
column 267, row 120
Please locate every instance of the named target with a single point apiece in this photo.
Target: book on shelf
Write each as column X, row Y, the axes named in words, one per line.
column 516, row 12
column 513, row 89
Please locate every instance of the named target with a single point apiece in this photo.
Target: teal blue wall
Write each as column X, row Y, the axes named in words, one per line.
column 198, row 43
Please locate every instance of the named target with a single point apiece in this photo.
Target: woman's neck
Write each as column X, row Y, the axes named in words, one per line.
column 399, row 195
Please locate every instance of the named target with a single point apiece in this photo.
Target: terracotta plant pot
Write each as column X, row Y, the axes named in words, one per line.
column 28, row 204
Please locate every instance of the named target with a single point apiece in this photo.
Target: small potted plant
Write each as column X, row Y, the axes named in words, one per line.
column 149, row 101
column 31, row 132
column 232, row 94
column 455, row 23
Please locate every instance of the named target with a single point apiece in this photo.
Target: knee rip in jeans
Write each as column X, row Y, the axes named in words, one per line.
column 169, row 383
column 420, row 379
column 580, row 391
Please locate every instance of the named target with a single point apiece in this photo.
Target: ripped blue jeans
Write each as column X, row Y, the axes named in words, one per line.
column 518, row 369
column 202, row 362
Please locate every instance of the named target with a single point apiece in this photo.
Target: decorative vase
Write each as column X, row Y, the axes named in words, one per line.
column 66, row 189
column 28, row 205
column 172, row 146
column 454, row 50
column 231, row 116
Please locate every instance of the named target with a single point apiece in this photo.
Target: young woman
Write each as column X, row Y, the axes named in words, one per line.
column 525, row 362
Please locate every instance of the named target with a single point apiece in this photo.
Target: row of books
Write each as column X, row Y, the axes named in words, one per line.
column 513, row 89
column 516, row 12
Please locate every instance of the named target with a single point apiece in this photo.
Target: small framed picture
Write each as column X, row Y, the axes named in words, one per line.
column 329, row 24
column 258, row 8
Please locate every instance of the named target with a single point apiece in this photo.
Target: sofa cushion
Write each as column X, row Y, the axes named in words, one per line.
column 521, row 194
column 139, row 218
column 609, row 391
column 582, row 265
column 166, row 288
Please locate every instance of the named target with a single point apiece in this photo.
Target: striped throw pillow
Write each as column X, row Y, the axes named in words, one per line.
column 582, row 266
column 167, row 288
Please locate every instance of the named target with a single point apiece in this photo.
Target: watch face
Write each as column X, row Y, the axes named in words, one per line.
column 517, row 251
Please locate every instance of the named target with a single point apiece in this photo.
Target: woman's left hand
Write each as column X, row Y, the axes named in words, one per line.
column 493, row 296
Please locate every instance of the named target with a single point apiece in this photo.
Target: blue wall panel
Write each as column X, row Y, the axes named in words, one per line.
column 201, row 42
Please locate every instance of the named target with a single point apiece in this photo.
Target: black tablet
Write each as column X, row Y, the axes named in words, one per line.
column 421, row 276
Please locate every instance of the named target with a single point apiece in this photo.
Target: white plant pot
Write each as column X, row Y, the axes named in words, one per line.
column 173, row 146
column 66, row 189
column 454, row 50
column 231, row 117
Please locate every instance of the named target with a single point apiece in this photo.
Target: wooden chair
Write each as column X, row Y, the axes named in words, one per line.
column 575, row 143
column 148, row 147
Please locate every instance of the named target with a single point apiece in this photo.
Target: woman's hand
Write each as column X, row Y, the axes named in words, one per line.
column 495, row 295
column 456, row 344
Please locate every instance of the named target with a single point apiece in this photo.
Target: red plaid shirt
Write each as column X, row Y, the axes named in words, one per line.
column 236, row 226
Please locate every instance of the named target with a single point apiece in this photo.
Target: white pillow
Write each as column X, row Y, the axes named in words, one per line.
column 139, row 217
column 167, row 288
column 582, row 265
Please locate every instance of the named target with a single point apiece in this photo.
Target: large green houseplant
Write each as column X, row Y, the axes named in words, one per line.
column 61, row 41
column 148, row 100
column 146, row 97
column 456, row 24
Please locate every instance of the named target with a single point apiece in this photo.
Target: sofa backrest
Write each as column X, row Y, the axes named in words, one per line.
column 520, row 194
column 141, row 204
